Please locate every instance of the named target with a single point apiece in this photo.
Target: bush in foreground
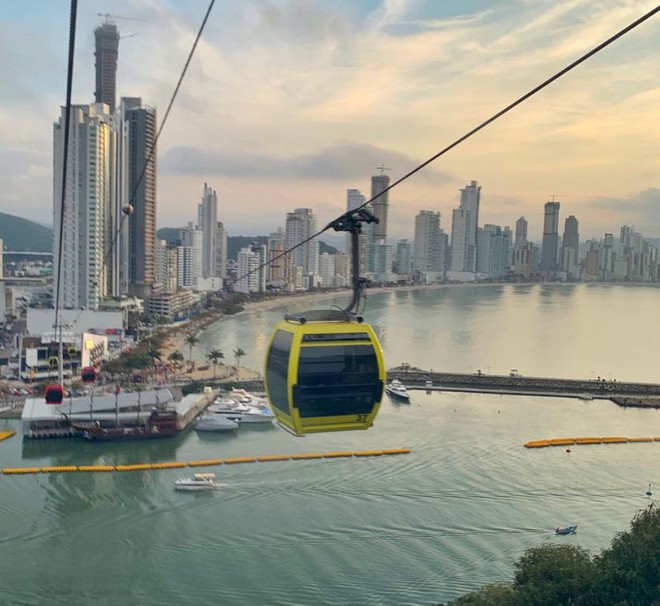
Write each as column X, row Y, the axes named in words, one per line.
column 625, row 574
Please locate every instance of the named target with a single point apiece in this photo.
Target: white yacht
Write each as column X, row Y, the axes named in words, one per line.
column 200, row 481
column 242, row 407
column 213, row 422
column 397, row 389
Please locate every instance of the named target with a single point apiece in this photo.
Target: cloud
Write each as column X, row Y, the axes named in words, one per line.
column 642, row 209
column 347, row 160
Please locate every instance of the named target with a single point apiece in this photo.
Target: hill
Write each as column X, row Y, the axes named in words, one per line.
column 22, row 234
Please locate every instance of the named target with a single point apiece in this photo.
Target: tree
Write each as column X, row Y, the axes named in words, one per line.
column 191, row 340
column 490, row 595
column 552, row 574
column 176, row 357
column 238, row 354
column 214, row 356
column 629, row 570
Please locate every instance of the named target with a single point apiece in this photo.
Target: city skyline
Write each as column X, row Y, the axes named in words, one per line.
column 365, row 84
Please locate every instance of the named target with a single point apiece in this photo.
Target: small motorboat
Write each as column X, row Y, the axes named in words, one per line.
column 397, row 389
column 566, row 529
column 213, row 422
column 200, row 481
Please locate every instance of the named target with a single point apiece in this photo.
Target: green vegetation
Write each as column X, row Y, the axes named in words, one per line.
column 22, row 234
column 144, row 356
column 625, row 574
column 238, row 354
column 191, row 340
column 214, row 356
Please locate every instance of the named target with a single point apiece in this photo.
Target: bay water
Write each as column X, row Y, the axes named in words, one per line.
column 420, row 528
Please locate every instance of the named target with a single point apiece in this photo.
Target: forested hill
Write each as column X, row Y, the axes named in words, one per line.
column 22, row 234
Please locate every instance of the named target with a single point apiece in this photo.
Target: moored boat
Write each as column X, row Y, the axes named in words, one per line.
column 242, row 407
column 161, row 423
column 397, row 389
column 215, row 422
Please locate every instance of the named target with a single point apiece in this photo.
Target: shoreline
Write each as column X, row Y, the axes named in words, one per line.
column 174, row 337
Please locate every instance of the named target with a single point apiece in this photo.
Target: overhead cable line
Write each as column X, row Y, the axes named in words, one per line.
column 467, row 135
column 67, row 117
column 160, row 130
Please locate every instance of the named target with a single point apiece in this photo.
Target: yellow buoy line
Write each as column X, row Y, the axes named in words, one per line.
column 203, row 462
column 588, row 440
column 7, row 434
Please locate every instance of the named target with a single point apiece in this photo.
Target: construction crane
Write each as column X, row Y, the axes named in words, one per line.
column 382, row 169
column 109, row 17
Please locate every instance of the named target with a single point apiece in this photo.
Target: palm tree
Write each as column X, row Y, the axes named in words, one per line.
column 214, row 356
column 191, row 340
column 238, row 354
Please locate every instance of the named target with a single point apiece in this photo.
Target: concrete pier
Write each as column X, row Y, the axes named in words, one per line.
column 624, row 393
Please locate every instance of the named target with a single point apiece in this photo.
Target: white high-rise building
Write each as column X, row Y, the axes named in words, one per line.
column 166, row 266
column 428, row 252
column 403, row 257
column 383, row 262
column 301, row 225
column 354, row 199
column 327, row 270
column 493, row 247
column 465, row 221
column 220, row 250
column 252, row 277
column 90, row 207
column 207, row 220
column 189, row 262
column 459, row 224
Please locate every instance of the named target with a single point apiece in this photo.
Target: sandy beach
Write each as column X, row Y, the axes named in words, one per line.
column 225, row 371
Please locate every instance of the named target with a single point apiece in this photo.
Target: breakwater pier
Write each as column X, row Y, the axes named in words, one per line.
column 623, row 393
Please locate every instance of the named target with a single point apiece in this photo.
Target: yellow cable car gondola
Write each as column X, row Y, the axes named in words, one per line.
column 325, row 369
column 53, row 362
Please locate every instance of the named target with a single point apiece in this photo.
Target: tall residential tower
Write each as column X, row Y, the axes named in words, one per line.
column 550, row 250
column 106, row 51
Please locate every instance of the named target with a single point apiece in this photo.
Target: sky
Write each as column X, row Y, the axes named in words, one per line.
column 289, row 103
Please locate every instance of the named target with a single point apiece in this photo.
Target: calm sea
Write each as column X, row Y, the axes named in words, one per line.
column 411, row 529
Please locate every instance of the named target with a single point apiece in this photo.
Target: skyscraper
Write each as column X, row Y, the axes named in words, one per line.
column 354, row 199
column 105, row 53
column 550, row 249
column 493, row 248
column 380, row 183
column 570, row 246
column 300, row 225
column 465, row 221
column 207, row 219
column 428, row 255
column 220, row 250
column 521, row 232
column 571, row 237
column 458, row 236
column 88, row 222
column 141, row 127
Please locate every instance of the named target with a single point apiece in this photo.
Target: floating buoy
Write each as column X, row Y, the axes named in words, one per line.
column 648, row 492
column 568, row 450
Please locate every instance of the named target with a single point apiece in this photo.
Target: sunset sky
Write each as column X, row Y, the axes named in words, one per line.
column 288, row 103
